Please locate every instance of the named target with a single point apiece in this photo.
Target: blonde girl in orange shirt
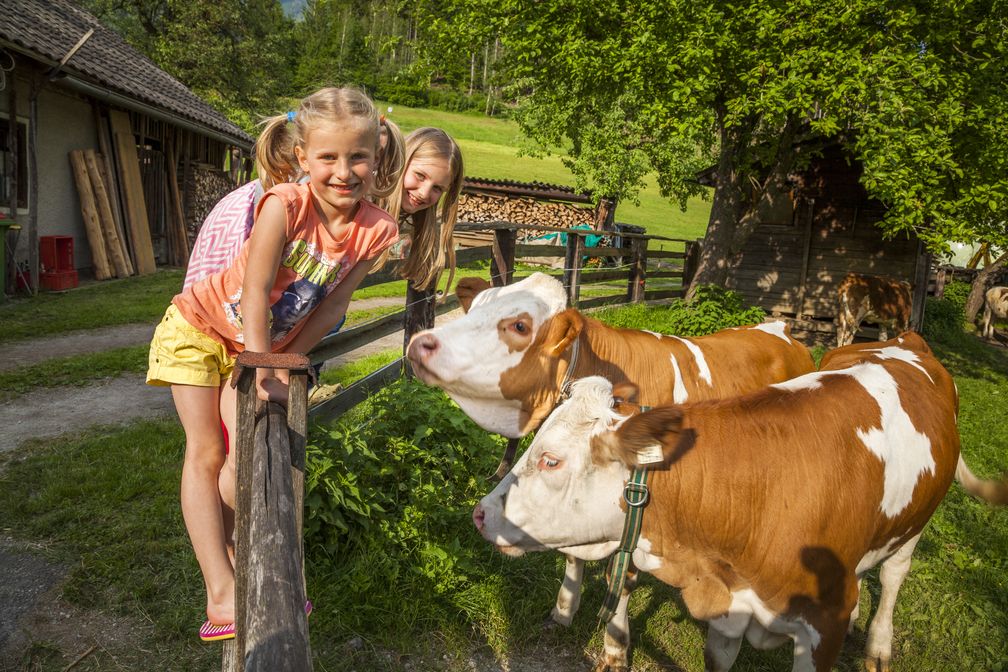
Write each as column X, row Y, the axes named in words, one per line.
column 311, row 246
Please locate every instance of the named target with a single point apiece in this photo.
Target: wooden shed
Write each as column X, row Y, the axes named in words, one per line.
column 813, row 236
column 68, row 84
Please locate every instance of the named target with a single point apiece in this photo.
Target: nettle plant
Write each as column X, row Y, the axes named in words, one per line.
column 402, row 474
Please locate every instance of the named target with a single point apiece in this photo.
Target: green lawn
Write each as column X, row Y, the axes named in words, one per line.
column 490, row 150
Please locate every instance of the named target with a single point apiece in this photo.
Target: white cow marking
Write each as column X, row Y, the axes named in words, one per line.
column 643, row 559
column 700, row 360
column 775, row 328
column 654, row 333
column 903, row 355
column 872, row 558
column 679, row 394
column 905, row 453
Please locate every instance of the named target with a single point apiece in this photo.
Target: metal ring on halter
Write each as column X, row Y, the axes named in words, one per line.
column 640, row 489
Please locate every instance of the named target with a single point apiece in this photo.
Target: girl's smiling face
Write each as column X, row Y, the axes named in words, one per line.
column 424, row 180
column 339, row 160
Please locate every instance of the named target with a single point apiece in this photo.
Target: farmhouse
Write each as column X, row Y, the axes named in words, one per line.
column 162, row 155
column 812, row 236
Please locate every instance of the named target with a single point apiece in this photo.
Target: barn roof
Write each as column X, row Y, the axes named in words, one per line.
column 105, row 66
column 541, row 190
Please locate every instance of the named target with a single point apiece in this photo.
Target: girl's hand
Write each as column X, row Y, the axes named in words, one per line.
column 270, row 388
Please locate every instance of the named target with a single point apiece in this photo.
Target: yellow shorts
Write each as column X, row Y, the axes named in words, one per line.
column 181, row 354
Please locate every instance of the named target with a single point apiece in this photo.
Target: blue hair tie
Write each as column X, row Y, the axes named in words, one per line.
column 290, row 116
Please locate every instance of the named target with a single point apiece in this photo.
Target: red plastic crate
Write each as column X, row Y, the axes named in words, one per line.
column 58, row 280
column 56, row 253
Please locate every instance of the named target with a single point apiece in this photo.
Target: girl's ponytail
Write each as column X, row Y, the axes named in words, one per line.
column 391, row 159
column 274, row 152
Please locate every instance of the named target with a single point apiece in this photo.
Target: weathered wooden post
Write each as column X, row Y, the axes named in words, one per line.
column 502, row 264
column 690, row 262
column 270, row 602
column 638, row 270
column 572, row 267
column 419, row 316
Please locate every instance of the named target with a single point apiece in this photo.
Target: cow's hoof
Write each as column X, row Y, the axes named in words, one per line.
column 558, row 618
column 603, row 666
column 876, row 664
column 550, row 624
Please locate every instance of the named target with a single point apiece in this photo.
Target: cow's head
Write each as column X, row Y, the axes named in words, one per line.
column 501, row 361
column 565, row 491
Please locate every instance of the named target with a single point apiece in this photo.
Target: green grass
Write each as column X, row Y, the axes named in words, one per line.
column 96, row 304
column 348, row 373
column 105, row 504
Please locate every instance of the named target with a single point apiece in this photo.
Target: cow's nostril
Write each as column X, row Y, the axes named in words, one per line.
column 422, row 346
column 478, row 515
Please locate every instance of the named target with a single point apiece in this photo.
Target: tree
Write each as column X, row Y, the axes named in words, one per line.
column 237, row 54
column 914, row 90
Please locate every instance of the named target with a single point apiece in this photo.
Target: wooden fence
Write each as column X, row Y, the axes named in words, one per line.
column 625, row 270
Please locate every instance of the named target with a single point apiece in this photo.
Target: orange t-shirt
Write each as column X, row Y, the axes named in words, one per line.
column 312, row 264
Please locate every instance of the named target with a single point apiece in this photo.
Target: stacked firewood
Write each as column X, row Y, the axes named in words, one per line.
column 205, row 188
column 478, row 208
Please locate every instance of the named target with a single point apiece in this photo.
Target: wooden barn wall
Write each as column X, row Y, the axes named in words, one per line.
column 798, row 255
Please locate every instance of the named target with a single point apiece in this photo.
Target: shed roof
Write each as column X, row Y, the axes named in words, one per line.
column 46, row 30
column 479, row 185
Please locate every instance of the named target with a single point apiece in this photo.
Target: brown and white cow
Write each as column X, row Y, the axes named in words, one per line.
column 995, row 308
column 885, row 301
column 768, row 508
column 505, row 360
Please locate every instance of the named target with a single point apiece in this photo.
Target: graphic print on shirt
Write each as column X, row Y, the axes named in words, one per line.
column 316, row 276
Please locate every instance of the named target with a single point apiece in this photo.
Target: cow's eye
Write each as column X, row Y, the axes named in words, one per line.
column 548, row 462
column 520, row 327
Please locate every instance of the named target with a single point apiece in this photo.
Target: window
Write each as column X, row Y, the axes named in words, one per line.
column 20, row 165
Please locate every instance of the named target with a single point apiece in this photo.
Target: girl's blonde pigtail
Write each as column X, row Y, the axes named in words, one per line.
column 274, row 152
column 391, row 159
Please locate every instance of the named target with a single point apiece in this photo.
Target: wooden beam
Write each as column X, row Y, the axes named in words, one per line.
column 89, row 212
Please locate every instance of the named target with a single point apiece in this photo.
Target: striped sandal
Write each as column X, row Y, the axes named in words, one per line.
column 211, row 632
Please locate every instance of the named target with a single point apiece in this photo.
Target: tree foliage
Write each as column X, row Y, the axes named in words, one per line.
column 237, row 54
column 913, row 89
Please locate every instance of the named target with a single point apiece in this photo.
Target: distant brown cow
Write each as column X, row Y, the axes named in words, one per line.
column 885, row 301
column 995, row 308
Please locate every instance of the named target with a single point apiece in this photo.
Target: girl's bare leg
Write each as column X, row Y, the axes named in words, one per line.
column 198, row 409
column 227, row 482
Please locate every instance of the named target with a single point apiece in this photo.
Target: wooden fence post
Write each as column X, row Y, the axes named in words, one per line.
column 572, row 267
column 419, row 316
column 502, row 263
column 638, row 271
column 271, row 624
column 690, row 263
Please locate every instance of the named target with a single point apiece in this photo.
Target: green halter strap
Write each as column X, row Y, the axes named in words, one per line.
column 636, row 495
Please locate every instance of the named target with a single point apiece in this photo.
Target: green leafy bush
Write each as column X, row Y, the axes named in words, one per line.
column 412, row 467
column 711, row 309
column 944, row 318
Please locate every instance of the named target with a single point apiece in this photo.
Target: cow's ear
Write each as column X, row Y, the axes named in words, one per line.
column 651, row 439
column 560, row 331
column 466, row 290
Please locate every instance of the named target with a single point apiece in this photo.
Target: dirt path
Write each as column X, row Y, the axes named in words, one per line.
column 49, row 412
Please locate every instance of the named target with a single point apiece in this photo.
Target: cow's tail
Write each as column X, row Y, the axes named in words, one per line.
column 995, row 492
